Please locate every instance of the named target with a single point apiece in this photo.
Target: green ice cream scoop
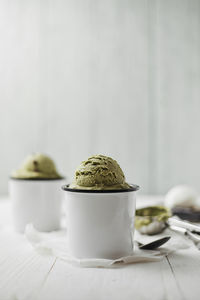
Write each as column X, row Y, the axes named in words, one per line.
column 151, row 219
column 37, row 166
column 99, row 172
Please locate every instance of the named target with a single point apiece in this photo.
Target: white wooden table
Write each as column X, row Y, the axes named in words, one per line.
column 26, row 275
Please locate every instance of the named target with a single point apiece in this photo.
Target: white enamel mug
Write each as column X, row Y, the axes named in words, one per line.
column 100, row 224
column 36, row 201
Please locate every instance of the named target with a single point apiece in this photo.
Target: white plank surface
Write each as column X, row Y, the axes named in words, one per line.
column 22, row 270
column 26, row 275
column 185, row 268
column 139, row 281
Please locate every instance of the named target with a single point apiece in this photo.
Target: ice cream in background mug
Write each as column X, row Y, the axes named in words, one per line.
column 37, row 166
column 35, row 193
column 100, row 209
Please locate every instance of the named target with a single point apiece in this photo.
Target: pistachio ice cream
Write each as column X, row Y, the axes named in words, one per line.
column 100, row 209
column 99, row 172
column 37, row 166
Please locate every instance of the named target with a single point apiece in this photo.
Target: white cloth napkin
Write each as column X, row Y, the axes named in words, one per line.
column 55, row 243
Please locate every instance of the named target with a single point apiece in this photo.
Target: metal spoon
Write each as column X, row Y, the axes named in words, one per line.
column 155, row 244
column 193, row 236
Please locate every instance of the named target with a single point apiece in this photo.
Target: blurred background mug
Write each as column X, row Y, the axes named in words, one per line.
column 36, row 201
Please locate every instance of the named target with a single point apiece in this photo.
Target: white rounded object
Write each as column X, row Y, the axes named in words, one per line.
column 181, row 195
column 36, row 201
column 153, row 228
column 100, row 225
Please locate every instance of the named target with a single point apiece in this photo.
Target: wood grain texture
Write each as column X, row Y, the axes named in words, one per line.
column 22, row 270
column 185, row 267
column 176, row 277
column 139, row 281
column 26, row 275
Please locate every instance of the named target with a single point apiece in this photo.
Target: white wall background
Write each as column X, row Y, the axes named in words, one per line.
column 117, row 77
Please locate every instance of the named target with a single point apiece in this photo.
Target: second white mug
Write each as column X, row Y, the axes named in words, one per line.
column 36, row 201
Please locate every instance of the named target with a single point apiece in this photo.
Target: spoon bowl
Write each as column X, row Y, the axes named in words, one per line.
column 155, row 244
